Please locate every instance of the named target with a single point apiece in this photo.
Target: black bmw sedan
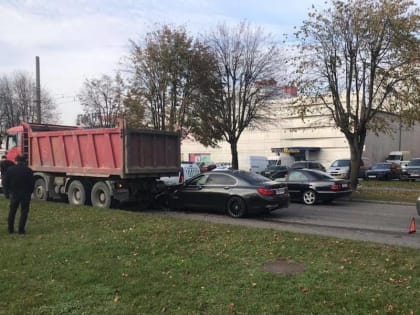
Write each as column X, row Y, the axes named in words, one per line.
column 311, row 186
column 237, row 193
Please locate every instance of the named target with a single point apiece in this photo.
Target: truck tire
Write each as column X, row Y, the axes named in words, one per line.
column 40, row 190
column 77, row 193
column 101, row 196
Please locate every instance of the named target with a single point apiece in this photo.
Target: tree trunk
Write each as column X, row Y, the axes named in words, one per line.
column 356, row 144
column 234, row 152
column 355, row 157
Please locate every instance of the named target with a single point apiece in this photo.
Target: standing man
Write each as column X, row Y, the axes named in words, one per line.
column 18, row 184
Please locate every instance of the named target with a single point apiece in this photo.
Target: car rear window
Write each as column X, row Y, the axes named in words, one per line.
column 299, row 165
column 317, row 175
column 314, row 165
column 321, row 175
column 251, row 177
column 381, row 166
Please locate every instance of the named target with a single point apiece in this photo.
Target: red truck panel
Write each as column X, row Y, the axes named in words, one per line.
column 105, row 152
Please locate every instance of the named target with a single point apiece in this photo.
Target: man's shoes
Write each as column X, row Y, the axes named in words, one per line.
column 11, row 231
column 22, row 232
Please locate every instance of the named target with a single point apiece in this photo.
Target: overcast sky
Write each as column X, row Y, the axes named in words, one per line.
column 79, row 39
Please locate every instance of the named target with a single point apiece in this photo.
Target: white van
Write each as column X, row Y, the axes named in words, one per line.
column 399, row 157
column 253, row 163
column 282, row 159
column 188, row 170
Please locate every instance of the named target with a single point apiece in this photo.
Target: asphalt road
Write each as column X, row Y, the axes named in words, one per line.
column 376, row 222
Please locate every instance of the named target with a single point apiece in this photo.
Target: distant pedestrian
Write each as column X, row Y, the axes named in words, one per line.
column 4, row 165
column 18, row 185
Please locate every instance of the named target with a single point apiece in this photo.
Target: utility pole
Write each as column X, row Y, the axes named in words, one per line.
column 38, row 90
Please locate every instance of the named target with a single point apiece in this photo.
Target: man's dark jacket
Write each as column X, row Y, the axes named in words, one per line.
column 4, row 166
column 18, row 180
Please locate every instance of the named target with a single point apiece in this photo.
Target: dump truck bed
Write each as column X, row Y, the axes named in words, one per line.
column 104, row 152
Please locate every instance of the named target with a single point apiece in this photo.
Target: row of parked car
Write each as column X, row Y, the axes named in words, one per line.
column 239, row 193
column 341, row 169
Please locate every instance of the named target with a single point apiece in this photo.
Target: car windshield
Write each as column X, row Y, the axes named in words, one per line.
column 340, row 163
column 414, row 162
column 381, row 166
column 394, row 157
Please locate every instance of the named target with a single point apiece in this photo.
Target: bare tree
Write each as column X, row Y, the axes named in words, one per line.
column 17, row 101
column 247, row 69
column 360, row 58
column 103, row 101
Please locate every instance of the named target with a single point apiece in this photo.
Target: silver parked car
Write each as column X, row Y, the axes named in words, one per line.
column 412, row 170
column 341, row 168
column 418, row 205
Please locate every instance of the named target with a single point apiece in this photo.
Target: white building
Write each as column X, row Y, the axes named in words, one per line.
column 314, row 138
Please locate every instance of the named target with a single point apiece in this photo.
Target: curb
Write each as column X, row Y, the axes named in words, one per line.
column 404, row 203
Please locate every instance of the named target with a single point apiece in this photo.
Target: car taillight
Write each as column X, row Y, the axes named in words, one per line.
column 336, row 187
column 266, row 192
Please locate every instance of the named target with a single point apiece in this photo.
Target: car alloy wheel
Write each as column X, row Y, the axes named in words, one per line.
column 309, row 197
column 236, row 207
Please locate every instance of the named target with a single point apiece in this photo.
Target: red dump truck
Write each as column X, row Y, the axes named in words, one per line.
column 98, row 166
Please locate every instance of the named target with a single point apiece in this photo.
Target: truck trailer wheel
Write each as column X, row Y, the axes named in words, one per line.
column 101, row 196
column 40, row 190
column 77, row 193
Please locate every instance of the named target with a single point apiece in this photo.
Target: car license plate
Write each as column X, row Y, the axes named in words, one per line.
column 372, row 176
column 279, row 191
column 344, row 185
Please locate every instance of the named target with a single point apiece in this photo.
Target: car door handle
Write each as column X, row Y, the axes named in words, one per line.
column 226, row 187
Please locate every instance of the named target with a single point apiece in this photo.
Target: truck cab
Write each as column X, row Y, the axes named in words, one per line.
column 399, row 157
column 14, row 143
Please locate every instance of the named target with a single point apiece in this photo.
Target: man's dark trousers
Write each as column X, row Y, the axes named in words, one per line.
column 24, row 202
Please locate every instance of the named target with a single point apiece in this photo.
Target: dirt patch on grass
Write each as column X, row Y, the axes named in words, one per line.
column 284, row 266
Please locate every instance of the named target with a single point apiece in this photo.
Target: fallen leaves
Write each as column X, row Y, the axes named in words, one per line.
column 116, row 297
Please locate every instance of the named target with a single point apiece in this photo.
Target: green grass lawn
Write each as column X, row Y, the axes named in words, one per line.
column 84, row 260
column 396, row 191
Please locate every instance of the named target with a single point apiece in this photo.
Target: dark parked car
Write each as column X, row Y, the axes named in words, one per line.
column 309, row 165
column 275, row 171
column 235, row 192
column 412, row 170
column 311, row 186
column 384, row 171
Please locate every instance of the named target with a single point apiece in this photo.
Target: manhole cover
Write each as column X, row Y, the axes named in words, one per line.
column 284, row 266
